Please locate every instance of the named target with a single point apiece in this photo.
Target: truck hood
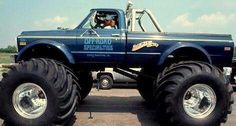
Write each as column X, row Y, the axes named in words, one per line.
column 43, row 33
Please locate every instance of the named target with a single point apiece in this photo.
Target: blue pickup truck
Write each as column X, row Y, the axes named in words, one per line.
column 184, row 75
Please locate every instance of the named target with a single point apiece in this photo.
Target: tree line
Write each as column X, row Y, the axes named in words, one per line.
column 9, row 49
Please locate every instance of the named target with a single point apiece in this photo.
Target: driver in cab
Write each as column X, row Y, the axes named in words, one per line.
column 109, row 23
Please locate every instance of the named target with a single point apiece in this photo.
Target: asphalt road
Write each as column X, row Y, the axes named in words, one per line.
column 120, row 107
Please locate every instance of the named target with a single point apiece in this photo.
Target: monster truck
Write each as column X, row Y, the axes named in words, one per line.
column 184, row 75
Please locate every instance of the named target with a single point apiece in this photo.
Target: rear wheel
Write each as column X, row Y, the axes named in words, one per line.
column 38, row 92
column 193, row 93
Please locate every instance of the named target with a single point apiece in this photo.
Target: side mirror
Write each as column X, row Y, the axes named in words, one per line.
column 59, row 28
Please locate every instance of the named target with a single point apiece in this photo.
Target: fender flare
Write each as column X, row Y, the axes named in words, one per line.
column 59, row 46
column 179, row 46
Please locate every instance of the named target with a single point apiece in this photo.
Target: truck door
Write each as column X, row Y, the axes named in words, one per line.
column 99, row 40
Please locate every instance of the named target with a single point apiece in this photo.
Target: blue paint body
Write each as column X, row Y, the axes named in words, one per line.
column 114, row 46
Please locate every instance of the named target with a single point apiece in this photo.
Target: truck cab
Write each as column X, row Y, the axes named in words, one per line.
column 116, row 44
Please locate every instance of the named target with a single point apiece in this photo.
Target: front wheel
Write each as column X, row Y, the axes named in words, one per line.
column 193, row 93
column 38, row 92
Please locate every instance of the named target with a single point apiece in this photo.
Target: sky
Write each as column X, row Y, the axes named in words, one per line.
column 197, row 16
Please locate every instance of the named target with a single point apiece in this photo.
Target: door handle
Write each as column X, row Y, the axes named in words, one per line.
column 115, row 35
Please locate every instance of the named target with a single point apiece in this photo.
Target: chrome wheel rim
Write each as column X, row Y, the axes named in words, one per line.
column 199, row 101
column 29, row 100
column 105, row 82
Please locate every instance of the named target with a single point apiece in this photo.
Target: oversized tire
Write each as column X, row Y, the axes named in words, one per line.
column 145, row 86
column 105, row 82
column 38, row 92
column 86, row 83
column 193, row 93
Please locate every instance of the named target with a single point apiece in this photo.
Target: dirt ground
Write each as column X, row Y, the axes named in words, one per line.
column 120, row 107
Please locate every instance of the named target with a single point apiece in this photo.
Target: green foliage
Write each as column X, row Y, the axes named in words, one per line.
column 9, row 49
column 3, row 70
column 5, row 58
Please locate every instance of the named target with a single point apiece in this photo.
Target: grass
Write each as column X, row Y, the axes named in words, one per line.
column 5, row 58
column 3, row 70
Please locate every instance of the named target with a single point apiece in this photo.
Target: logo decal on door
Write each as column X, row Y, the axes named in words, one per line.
column 98, row 45
column 141, row 45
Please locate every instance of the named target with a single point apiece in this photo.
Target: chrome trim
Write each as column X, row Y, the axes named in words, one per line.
column 133, row 53
column 199, row 101
column 94, row 52
column 133, row 19
column 129, row 38
column 141, row 53
column 68, row 37
column 29, row 100
column 71, row 37
column 207, row 40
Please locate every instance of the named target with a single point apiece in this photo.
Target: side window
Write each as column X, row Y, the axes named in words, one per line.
column 103, row 20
